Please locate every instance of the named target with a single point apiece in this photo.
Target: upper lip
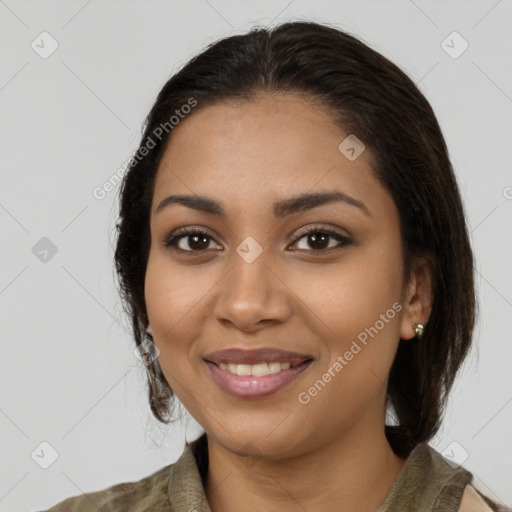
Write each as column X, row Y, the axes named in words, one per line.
column 255, row 356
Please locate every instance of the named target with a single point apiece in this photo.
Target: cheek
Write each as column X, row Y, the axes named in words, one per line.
column 173, row 300
column 355, row 310
column 174, row 292
column 356, row 315
column 351, row 296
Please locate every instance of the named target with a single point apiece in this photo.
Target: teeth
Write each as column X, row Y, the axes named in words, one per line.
column 274, row 367
column 256, row 370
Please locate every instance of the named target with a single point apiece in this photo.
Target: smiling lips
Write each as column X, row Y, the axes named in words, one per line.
column 256, row 356
column 255, row 373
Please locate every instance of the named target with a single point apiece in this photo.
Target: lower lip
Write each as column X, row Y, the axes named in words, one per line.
column 247, row 386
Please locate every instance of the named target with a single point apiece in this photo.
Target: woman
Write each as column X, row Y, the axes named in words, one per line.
column 293, row 247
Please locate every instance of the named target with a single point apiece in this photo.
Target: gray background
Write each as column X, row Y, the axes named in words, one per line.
column 70, row 121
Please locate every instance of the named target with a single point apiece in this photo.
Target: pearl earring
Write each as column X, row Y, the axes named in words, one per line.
column 418, row 329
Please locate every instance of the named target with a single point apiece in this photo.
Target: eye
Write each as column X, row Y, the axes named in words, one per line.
column 318, row 239
column 198, row 240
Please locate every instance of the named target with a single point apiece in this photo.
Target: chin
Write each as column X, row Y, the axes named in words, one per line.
column 257, row 440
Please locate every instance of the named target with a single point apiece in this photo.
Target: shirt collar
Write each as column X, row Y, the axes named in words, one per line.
column 425, row 476
column 185, row 490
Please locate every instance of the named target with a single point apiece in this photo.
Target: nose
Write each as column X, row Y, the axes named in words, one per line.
column 252, row 296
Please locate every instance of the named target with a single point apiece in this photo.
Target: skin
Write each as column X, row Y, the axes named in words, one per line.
column 275, row 453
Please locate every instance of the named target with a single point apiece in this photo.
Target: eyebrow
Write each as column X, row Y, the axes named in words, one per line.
column 281, row 208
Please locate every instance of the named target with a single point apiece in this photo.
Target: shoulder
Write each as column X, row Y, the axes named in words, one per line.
column 457, row 486
column 473, row 501
column 175, row 487
column 148, row 493
column 429, row 481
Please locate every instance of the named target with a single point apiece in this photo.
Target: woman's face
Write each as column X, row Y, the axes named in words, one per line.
column 257, row 280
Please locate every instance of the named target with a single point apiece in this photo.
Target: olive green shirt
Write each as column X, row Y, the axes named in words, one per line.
column 427, row 482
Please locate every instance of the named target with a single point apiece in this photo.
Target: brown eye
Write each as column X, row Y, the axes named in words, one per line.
column 193, row 240
column 316, row 240
column 198, row 242
column 319, row 240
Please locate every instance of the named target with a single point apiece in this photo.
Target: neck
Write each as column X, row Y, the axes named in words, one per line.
column 343, row 474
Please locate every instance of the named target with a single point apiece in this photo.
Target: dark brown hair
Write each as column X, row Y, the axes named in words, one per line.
column 371, row 97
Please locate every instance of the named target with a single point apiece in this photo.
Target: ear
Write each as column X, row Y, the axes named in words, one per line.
column 419, row 297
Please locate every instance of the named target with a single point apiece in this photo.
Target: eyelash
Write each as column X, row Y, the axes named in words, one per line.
column 172, row 240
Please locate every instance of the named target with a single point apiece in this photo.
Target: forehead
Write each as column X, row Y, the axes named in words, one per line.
column 271, row 147
column 270, row 122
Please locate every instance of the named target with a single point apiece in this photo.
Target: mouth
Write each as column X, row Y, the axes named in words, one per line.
column 255, row 373
column 258, row 370
column 256, row 357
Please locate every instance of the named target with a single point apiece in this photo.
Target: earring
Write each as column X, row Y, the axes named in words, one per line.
column 148, row 330
column 418, row 329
